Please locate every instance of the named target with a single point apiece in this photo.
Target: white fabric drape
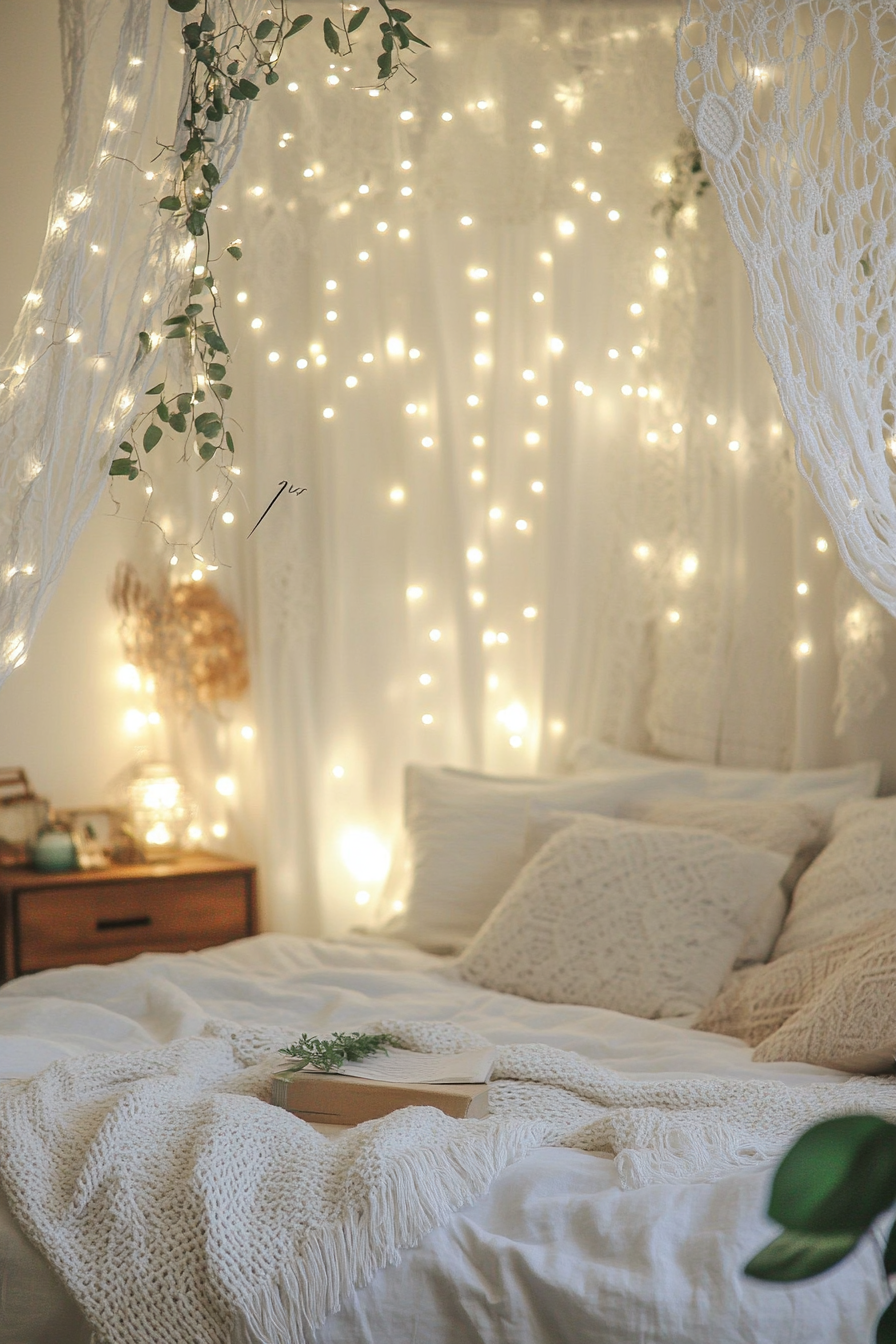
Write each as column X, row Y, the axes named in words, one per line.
column 111, row 265
column 661, row 565
column 793, row 106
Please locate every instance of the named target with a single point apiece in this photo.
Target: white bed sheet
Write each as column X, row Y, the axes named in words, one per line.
column 555, row 1253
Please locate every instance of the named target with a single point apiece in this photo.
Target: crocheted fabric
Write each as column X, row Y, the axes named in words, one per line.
column 850, row 882
column 177, row 1206
column 643, row 919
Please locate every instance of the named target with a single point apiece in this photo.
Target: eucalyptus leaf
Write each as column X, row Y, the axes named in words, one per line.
column 206, row 451
column 248, row 89
column 271, row 77
column 133, row 474
column 215, row 112
column 126, row 447
column 211, row 174
column 162, row 412
column 208, row 424
column 182, row 6
column 178, row 320
column 331, row 37
column 297, row 25
column 215, row 342
column 151, row 437
column 184, row 402
column 235, row 251
column 264, row 29
column 145, row 342
column 120, row 467
column 356, row 20
column 228, row 439
column 207, row 23
column 170, row 203
column 192, row 309
column 177, row 334
column 801, row 1255
column 215, row 372
column 196, row 223
column 178, row 423
column 838, row 1176
column 154, row 391
column 224, row 391
column 233, row 67
column 418, row 40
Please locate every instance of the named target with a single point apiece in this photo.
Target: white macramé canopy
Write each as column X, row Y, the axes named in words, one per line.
column 111, row 265
column 794, row 107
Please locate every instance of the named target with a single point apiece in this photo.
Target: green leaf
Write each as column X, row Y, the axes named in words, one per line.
column 400, row 14
column 837, row 1177
column 154, row 391
column 297, row 25
column 192, row 309
column 207, row 23
column 886, row 1326
column 384, row 65
column 151, row 437
column 356, row 20
column 331, row 37
column 215, row 113
column 404, row 36
column 192, row 36
column 184, row 402
column 233, row 67
column 170, row 203
column 120, row 467
column 126, row 447
column 196, row 223
column 215, row 372
column 133, row 473
column 178, row 320
column 182, row 6
column 177, row 334
column 162, row 412
column 418, row 40
column 228, row 439
column 236, row 252
column 215, row 342
column 197, row 286
column 211, row 174
column 248, row 89
column 208, row 424
column 388, row 42
column 224, row 391
column 236, row 94
column 264, row 29
column 145, row 342
column 178, row 423
column 800, row 1255
column 199, row 395
column 200, row 200
column 207, row 450
column 271, row 77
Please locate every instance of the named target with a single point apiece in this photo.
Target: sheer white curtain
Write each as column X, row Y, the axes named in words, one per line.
column 548, row 490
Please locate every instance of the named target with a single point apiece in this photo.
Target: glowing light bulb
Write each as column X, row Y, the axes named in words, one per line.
column 821, row 544
column 407, row 191
column 689, row 564
column 802, row 589
column 613, row 354
column 328, row 412
column 332, row 315
column 196, row 575
column 536, row 125
column 541, row 400
column 660, row 276
column 363, row 256
column 482, row 358
column 368, row 358
column 595, row 146
column 635, row 309
column 613, row 216
column 673, row 616
column 404, row 234
column 530, row 613
column 364, row 854
column 426, row 718
column 641, row 551
column 363, row 190
column 413, row 353
column 362, row 897
column 537, row 487
column 466, row 220
column 474, row 555
column 478, row 441
column 733, row 446
column 712, row 420
column 351, row 381
column 425, row 679
column 472, row 400
column 308, row 172
column 578, row 185
column 660, row 252
column 242, row 296
column 257, row 191
column 489, row 637
column 293, row 87
column 396, row 494
column 173, row 560
column 338, row 771
column 394, row 347
column 427, row 442
column 545, row 257
column 521, row 525
column 406, row 164
column 566, row 227
column 435, row 636
column 256, row 324
column 555, row 345
column 652, row 436
column 477, row 597
column 627, row 389
column 301, row 363
column 803, row 648
column 531, row 438
column 477, row 273
column 495, row 513
column 225, row 786
column 595, row 196
column 274, row 357
column 677, row 428
column 447, row 116
column 407, row 115
column 477, row 475
column 382, row 226
column 413, row 592
column 538, row 297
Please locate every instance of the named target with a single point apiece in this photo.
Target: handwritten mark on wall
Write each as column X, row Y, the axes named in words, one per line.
column 284, row 485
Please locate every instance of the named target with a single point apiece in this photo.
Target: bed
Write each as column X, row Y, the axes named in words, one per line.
column 554, row 1253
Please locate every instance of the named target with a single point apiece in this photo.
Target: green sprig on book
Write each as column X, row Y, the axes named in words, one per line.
column 335, row 1051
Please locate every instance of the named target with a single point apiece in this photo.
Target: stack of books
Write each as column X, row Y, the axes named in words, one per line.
column 380, row 1084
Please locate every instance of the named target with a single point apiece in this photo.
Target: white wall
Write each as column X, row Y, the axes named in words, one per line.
column 61, row 714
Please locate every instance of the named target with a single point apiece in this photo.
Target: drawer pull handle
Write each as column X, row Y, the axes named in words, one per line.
column 136, row 922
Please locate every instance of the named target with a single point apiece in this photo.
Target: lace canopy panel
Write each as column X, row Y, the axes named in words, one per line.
column 794, row 107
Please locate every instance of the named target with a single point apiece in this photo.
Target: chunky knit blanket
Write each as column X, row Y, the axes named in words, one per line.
column 176, row 1205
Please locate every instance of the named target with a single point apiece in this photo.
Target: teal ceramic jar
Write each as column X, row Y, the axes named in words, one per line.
column 54, row 851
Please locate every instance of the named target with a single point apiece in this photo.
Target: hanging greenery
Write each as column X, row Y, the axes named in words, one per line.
column 227, row 67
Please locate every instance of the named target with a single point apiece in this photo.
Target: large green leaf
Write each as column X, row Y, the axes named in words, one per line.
column 182, row 6
column 264, row 29
column 331, row 37
column 120, row 467
column 298, row 24
column 208, row 424
column 800, row 1255
column 151, row 437
column 178, row 422
column 170, row 203
column 356, row 20
column 837, row 1177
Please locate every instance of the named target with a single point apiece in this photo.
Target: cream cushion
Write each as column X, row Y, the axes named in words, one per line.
column 465, row 839
column 831, row 1004
column 783, row 826
column 642, row 919
column 852, row 880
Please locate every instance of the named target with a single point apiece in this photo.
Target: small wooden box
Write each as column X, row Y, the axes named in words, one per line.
column 334, row 1099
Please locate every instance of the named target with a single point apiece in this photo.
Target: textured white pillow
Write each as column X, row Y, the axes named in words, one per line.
column 466, row 837
column 642, row 919
column 824, row 790
column 783, row 826
column 852, row 880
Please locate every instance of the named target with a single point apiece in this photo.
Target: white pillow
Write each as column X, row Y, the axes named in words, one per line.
column 646, row 920
column 784, row 827
column 824, row 790
column 853, row 880
column 466, row 838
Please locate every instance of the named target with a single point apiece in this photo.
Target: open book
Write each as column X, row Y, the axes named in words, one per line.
column 409, row 1066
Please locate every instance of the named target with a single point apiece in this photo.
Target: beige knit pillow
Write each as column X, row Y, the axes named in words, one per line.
column 832, row 1004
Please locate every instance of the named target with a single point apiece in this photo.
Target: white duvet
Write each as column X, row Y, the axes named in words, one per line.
column 555, row 1252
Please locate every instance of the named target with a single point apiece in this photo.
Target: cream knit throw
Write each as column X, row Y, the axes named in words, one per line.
column 178, row 1207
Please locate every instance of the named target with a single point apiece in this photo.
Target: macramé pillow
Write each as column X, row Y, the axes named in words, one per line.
column 783, row 826
column 831, row 1004
column 852, row 880
column 646, row 920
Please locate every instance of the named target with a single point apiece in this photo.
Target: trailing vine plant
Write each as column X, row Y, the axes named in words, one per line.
column 226, row 67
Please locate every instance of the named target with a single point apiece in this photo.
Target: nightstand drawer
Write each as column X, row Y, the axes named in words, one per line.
column 60, row 926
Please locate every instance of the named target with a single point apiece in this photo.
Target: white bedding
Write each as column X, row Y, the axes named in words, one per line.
column 556, row 1252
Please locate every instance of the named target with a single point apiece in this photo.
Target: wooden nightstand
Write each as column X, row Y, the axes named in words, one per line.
column 60, row 919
